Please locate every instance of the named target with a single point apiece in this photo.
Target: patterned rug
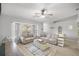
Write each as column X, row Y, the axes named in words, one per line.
column 31, row 50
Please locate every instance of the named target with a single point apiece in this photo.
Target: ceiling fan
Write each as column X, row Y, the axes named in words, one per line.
column 43, row 13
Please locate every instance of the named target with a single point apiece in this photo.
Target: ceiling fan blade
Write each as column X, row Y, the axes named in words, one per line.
column 36, row 14
column 50, row 14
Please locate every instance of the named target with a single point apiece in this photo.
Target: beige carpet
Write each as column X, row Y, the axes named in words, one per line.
column 70, row 49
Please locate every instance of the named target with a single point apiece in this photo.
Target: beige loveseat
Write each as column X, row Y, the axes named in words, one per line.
column 26, row 39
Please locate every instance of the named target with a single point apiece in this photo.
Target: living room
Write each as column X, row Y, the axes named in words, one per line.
column 48, row 30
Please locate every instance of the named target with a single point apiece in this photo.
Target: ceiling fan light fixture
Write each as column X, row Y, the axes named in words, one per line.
column 43, row 13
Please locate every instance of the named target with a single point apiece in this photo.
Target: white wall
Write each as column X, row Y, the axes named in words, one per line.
column 70, row 33
column 5, row 24
column 39, row 29
column 4, row 27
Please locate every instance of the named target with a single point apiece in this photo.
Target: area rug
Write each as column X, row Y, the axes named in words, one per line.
column 31, row 50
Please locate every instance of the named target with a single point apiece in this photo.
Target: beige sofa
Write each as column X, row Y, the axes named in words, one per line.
column 25, row 40
column 49, row 40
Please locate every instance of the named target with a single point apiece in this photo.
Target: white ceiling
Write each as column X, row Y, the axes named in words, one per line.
column 26, row 10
